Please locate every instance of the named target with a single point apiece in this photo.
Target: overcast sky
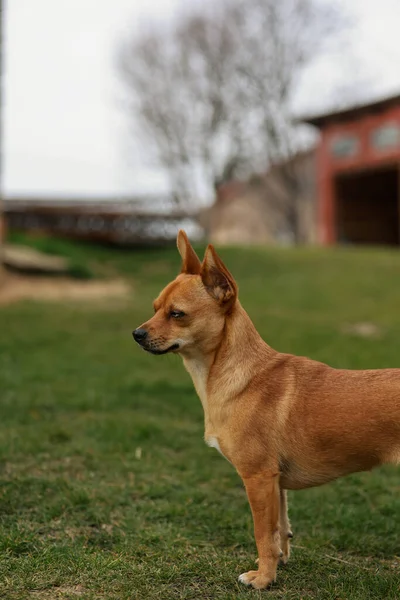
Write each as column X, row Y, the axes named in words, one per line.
column 63, row 127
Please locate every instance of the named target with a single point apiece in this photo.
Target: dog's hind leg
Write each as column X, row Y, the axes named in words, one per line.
column 284, row 527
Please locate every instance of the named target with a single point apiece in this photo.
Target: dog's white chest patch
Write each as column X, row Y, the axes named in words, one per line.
column 212, row 441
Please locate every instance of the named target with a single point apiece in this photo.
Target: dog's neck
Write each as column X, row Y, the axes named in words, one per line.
column 220, row 375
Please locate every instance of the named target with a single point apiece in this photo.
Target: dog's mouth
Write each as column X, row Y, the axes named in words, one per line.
column 158, row 351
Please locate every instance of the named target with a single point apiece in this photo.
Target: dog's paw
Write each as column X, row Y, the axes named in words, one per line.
column 285, row 548
column 285, row 553
column 256, row 579
column 284, row 556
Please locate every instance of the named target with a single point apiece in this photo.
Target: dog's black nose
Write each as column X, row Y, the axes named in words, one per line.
column 139, row 334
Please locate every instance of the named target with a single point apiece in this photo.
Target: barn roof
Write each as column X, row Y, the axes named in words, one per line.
column 350, row 113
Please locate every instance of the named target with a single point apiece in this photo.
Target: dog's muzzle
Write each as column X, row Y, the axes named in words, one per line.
column 140, row 336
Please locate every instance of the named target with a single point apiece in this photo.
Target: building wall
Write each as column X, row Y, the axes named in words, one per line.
column 363, row 132
column 256, row 211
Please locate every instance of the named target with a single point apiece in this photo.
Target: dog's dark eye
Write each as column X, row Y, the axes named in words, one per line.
column 176, row 314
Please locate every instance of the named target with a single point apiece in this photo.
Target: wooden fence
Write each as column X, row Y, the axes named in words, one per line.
column 120, row 224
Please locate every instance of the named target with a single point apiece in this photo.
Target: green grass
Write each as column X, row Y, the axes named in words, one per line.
column 107, row 489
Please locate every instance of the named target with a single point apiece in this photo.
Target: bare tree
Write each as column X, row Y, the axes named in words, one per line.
column 213, row 93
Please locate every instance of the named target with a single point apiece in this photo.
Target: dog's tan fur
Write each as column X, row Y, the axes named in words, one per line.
column 283, row 421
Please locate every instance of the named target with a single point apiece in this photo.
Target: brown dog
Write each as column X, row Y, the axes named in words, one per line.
column 283, row 421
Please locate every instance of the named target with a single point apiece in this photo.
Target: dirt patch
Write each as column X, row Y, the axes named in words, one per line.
column 27, row 259
column 20, row 287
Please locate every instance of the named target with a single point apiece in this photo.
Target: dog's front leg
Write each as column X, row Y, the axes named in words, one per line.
column 263, row 494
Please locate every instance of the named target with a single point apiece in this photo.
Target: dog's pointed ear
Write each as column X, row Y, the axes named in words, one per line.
column 217, row 280
column 190, row 261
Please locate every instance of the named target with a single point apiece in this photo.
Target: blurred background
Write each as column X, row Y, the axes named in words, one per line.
column 271, row 129
column 247, row 122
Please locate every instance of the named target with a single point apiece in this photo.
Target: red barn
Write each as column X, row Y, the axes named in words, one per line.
column 358, row 174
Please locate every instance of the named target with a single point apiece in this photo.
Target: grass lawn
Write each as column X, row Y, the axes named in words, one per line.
column 107, row 488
